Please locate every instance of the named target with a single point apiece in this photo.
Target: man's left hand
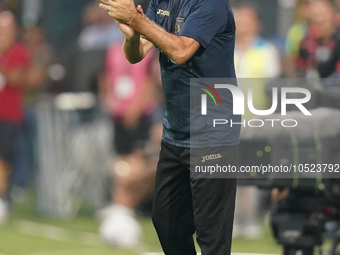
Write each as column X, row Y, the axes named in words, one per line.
column 123, row 11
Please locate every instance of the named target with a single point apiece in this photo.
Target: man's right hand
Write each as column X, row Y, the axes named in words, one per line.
column 135, row 47
column 128, row 31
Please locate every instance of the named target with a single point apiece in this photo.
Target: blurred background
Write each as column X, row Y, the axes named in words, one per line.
column 80, row 128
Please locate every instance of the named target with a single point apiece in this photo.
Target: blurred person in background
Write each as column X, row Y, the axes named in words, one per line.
column 319, row 54
column 98, row 33
column 296, row 33
column 37, row 87
column 14, row 64
column 255, row 58
column 62, row 22
column 42, row 58
column 62, row 25
column 128, row 93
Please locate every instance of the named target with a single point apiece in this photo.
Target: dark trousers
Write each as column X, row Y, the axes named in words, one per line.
column 183, row 205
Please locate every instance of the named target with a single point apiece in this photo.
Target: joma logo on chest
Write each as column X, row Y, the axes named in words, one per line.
column 162, row 12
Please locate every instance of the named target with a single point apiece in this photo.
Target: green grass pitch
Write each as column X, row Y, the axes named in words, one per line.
column 26, row 233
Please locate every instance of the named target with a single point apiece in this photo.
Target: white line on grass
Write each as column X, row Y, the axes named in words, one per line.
column 159, row 253
column 65, row 252
column 56, row 233
column 241, row 253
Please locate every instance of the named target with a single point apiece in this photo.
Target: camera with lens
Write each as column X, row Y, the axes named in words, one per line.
column 302, row 161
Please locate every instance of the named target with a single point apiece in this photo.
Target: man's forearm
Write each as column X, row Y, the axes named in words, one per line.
column 170, row 44
column 133, row 50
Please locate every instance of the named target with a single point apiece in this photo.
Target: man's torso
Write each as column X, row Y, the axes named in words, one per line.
column 215, row 59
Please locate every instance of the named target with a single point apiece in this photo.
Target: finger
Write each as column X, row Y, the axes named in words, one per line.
column 112, row 15
column 105, row 7
column 140, row 9
column 107, row 2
